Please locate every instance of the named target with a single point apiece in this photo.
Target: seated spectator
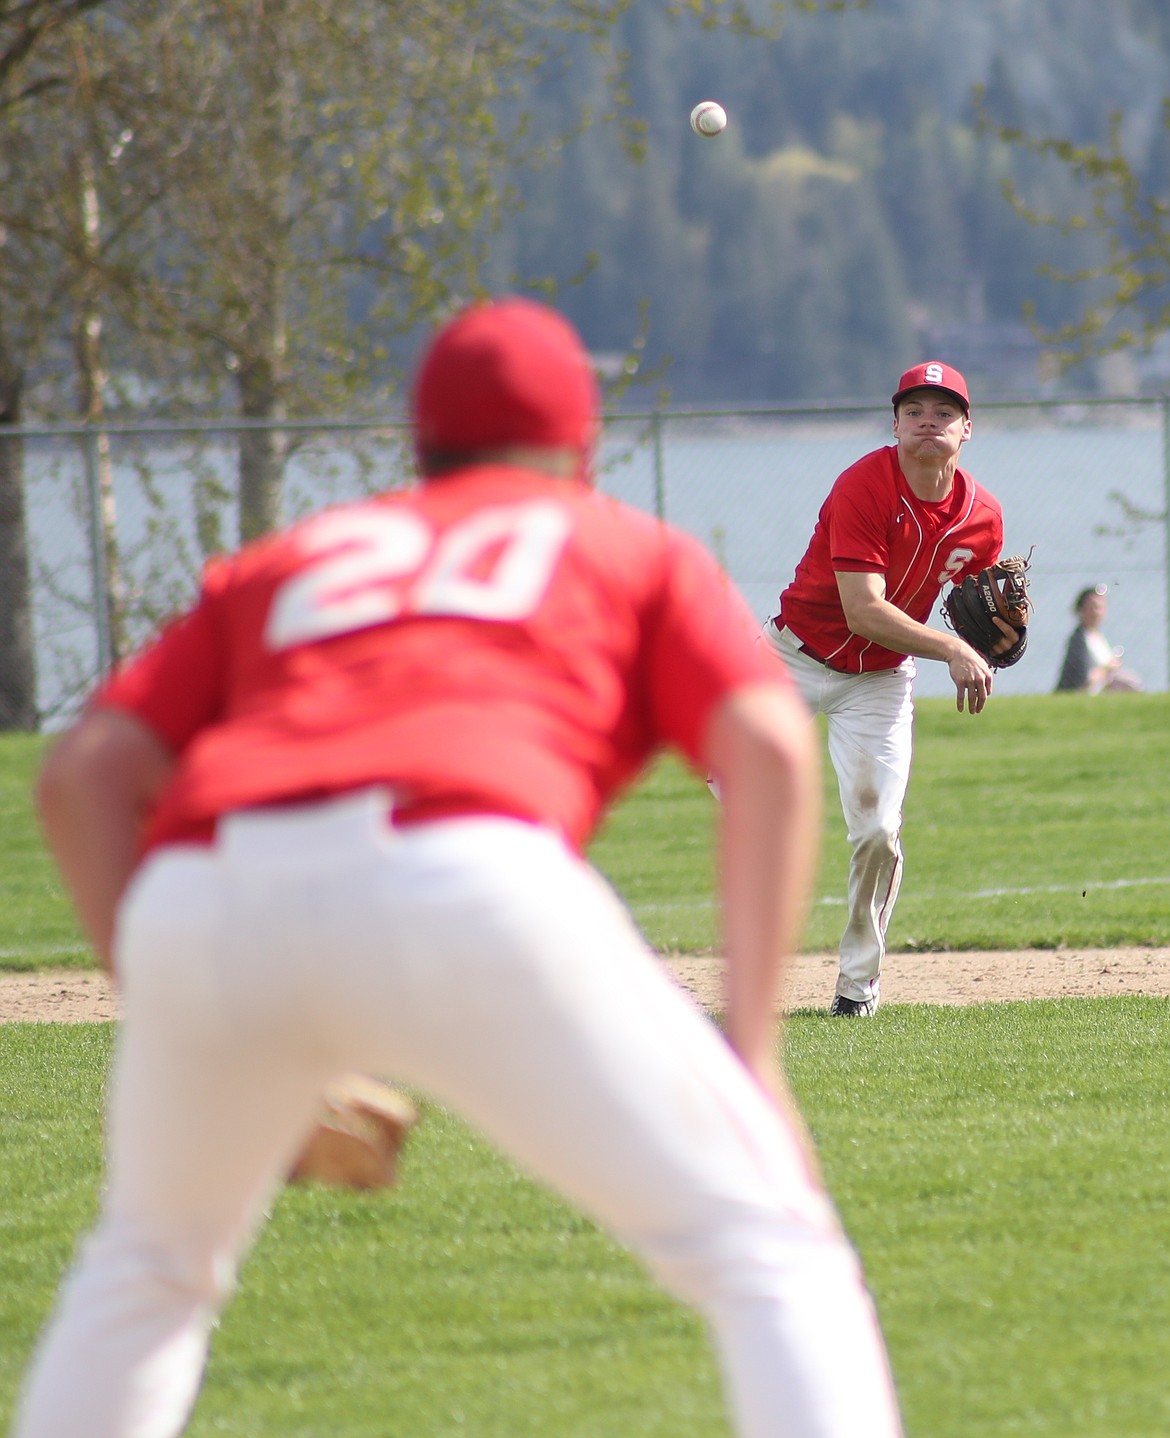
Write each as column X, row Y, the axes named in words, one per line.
column 1091, row 664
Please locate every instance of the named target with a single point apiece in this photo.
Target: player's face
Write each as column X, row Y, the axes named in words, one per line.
column 930, row 425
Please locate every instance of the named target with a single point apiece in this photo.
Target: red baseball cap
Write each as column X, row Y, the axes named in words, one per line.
column 507, row 371
column 934, row 375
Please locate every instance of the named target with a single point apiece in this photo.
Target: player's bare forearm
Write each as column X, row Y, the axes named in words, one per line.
column 762, row 749
column 870, row 614
column 93, row 792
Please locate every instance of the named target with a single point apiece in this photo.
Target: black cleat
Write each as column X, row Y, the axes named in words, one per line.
column 843, row 1008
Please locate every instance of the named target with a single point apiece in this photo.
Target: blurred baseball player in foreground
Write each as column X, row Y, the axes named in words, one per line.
column 367, row 761
column 896, row 526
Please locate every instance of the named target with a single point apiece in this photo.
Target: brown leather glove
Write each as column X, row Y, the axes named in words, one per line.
column 357, row 1137
column 999, row 590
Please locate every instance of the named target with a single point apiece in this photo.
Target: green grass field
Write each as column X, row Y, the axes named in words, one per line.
column 1004, row 1169
column 1040, row 822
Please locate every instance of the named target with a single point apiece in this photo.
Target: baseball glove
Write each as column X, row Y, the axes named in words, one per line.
column 1000, row 589
column 357, row 1136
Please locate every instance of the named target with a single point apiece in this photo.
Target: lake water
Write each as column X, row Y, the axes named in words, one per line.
column 1075, row 487
column 755, row 500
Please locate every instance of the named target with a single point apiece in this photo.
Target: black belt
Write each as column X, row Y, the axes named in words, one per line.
column 804, row 649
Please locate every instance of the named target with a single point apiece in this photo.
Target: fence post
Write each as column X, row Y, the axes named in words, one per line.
column 1166, row 519
column 97, row 553
column 659, row 469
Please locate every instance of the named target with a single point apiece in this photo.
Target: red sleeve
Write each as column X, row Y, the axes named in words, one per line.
column 174, row 685
column 994, row 547
column 859, row 516
column 706, row 643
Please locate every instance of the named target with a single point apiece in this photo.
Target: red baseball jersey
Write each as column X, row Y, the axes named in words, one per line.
column 493, row 641
column 872, row 522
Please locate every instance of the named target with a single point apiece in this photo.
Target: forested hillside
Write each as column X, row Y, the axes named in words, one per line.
column 264, row 208
column 851, row 216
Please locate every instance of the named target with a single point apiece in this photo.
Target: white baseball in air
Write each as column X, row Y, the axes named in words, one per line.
column 708, row 118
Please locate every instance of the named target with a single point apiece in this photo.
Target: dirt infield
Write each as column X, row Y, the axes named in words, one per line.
column 81, row 996
column 964, row 978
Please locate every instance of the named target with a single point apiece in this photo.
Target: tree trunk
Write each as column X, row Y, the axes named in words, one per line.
column 18, row 679
column 91, row 374
column 262, row 356
column 262, row 452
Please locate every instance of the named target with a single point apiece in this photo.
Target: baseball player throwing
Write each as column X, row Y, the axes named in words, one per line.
column 896, row 526
column 332, row 820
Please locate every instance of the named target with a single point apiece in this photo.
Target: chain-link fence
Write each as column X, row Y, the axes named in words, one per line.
column 116, row 524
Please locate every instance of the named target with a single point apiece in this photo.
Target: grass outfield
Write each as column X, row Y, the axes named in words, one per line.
column 1004, row 1169
column 1041, row 822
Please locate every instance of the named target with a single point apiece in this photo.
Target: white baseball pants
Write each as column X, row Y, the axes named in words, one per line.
column 481, row 961
column 871, row 738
